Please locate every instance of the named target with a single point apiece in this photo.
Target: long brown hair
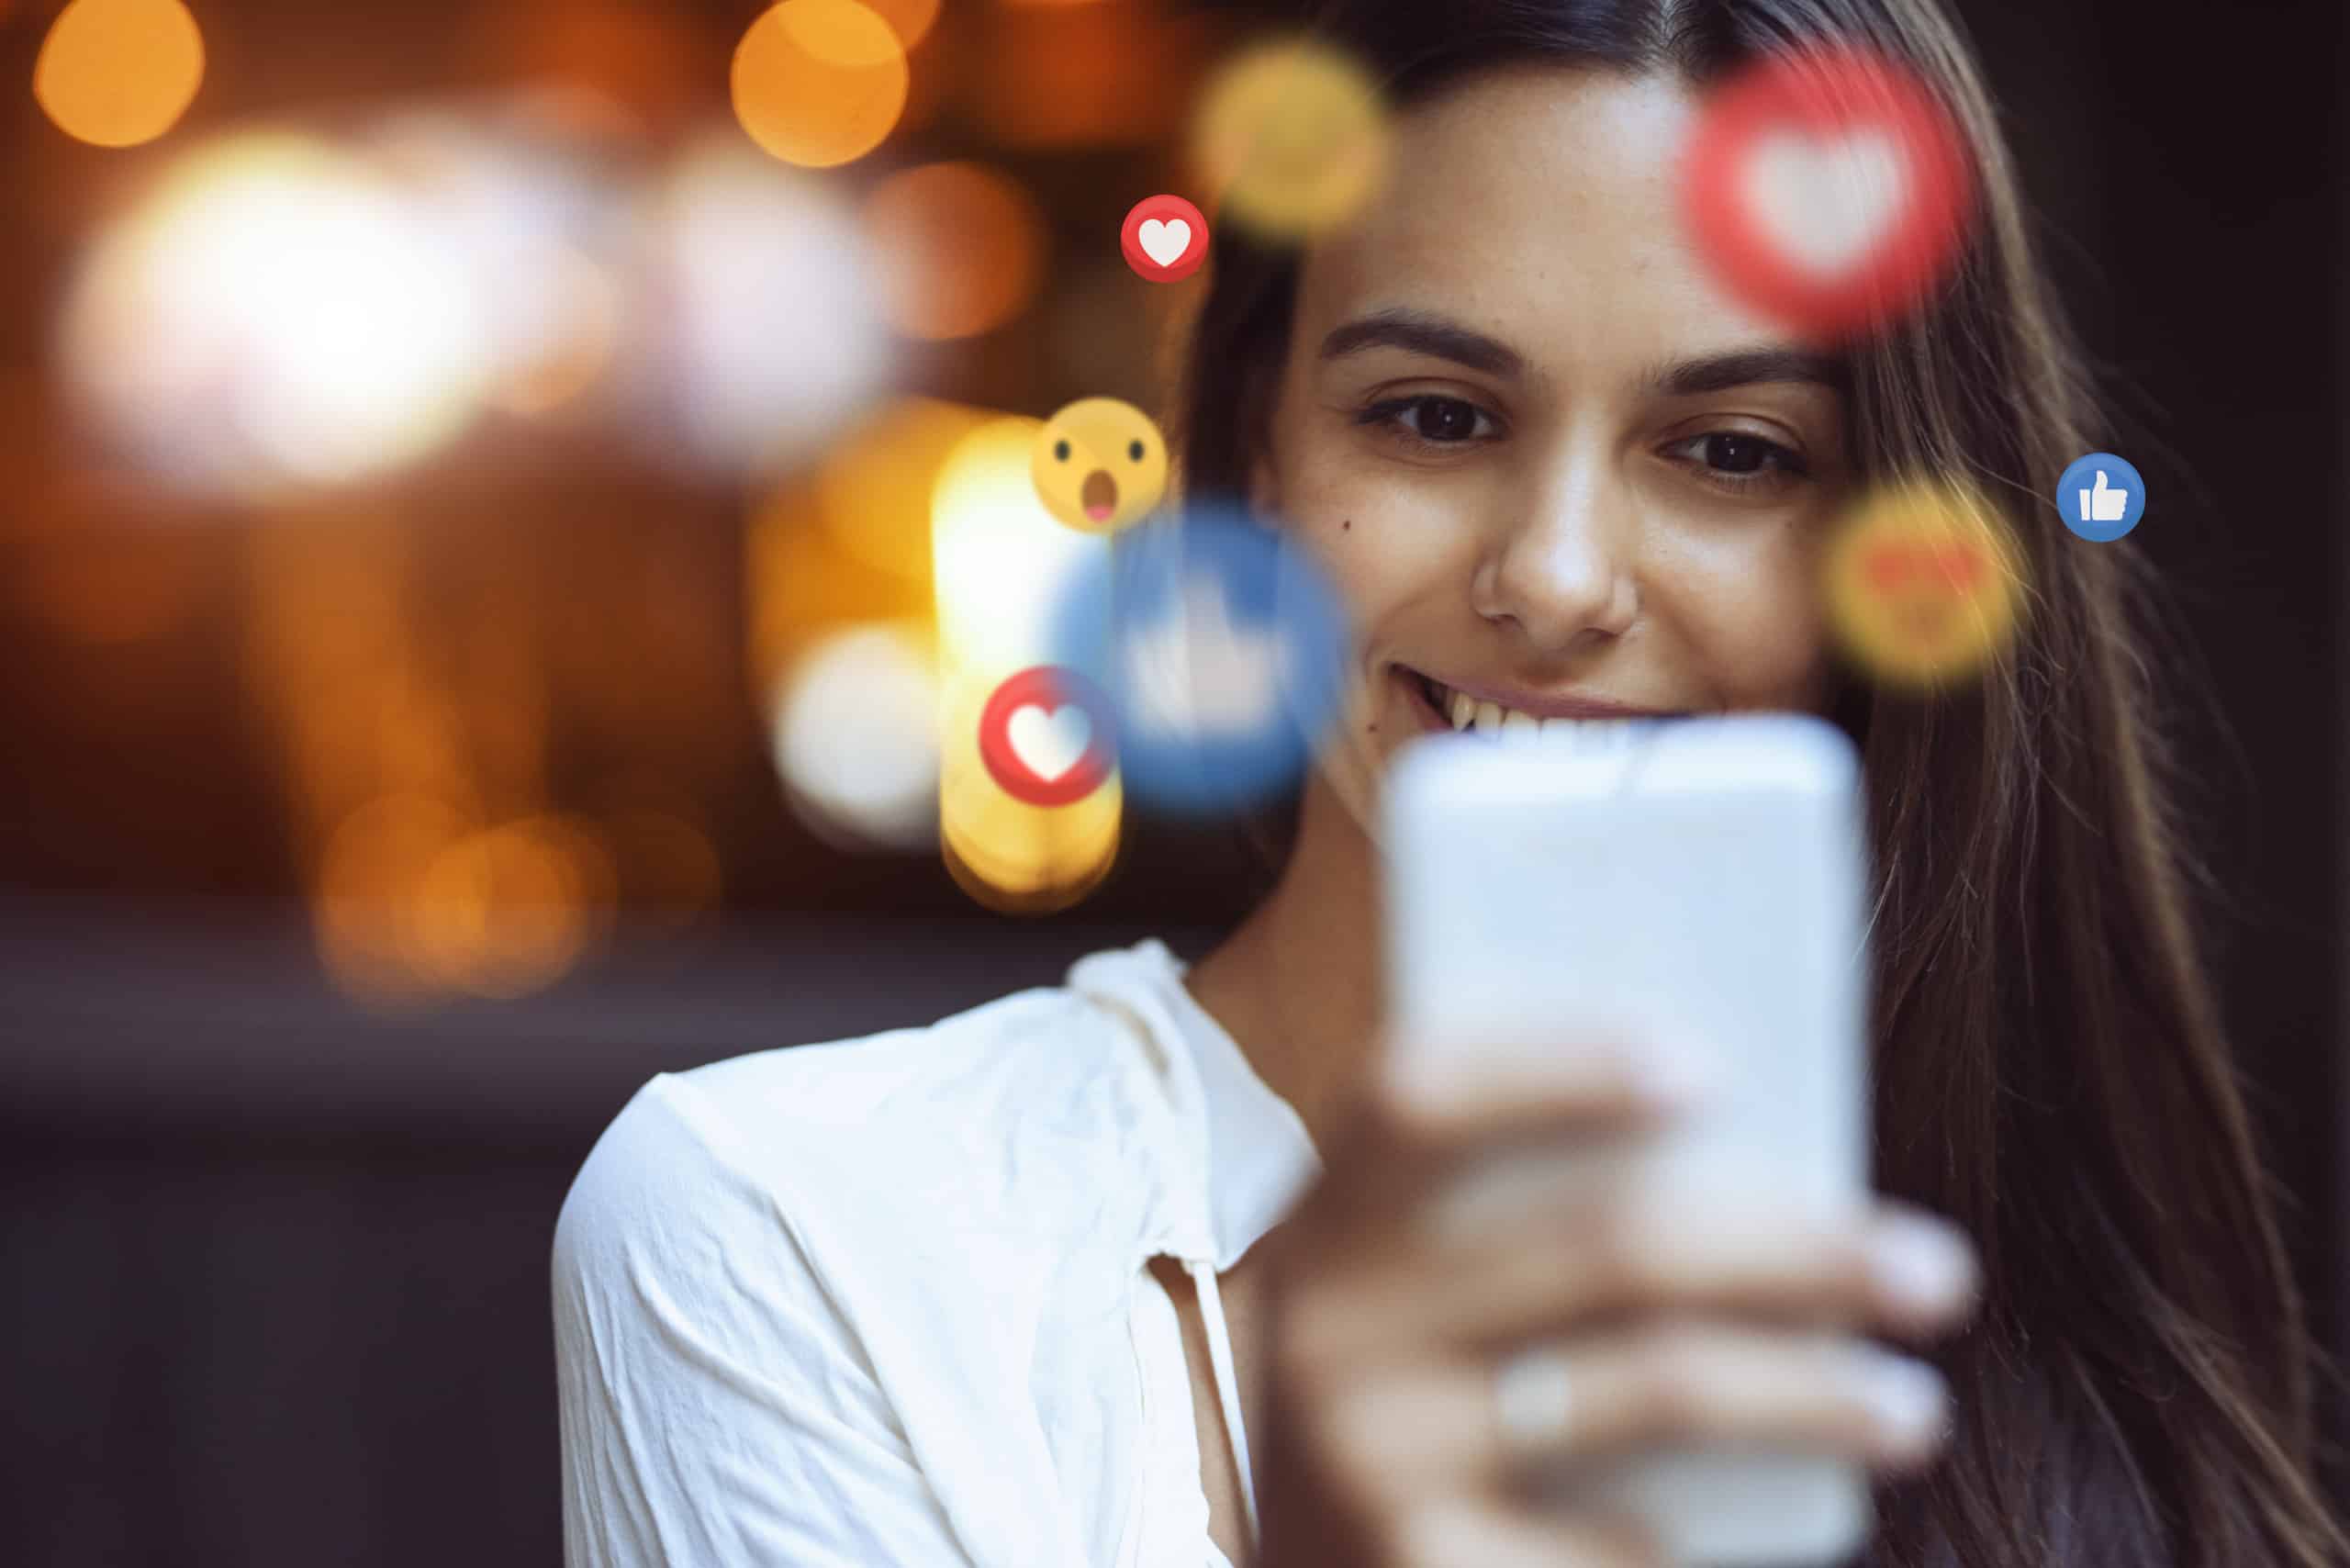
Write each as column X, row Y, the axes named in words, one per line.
column 2050, row 1072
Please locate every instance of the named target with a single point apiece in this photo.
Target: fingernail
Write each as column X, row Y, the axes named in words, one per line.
column 1922, row 1266
column 1905, row 1398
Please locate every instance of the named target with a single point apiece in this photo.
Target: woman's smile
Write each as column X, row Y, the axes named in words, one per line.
column 1439, row 706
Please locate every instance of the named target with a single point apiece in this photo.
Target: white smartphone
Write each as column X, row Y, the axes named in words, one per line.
column 1698, row 880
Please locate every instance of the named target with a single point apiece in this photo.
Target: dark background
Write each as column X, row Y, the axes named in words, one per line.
column 273, row 1266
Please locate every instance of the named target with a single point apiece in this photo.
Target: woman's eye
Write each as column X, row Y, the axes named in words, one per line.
column 1432, row 419
column 1737, row 457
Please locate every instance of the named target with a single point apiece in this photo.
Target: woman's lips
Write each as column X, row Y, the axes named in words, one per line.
column 1442, row 707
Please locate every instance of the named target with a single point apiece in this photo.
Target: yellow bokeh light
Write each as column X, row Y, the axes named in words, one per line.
column 1000, row 562
column 963, row 247
column 118, row 73
column 873, row 491
column 1293, row 137
column 819, row 83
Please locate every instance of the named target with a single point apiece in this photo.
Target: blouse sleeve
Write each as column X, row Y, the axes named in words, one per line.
column 716, row 1405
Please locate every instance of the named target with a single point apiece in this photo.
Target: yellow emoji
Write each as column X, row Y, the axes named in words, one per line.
column 1924, row 585
column 1293, row 137
column 1100, row 465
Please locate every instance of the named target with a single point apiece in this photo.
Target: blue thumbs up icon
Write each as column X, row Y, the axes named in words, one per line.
column 2101, row 497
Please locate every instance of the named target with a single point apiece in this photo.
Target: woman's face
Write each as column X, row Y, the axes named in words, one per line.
column 1549, row 465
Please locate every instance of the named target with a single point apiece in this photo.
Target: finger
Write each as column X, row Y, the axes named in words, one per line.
column 1504, row 1090
column 1700, row 1383
column 1414, row 1125
column 1886, row 1267
column 1671, row 1385
column 1495, row 1534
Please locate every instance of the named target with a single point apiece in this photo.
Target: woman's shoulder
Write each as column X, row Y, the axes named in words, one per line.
column 976, row 1122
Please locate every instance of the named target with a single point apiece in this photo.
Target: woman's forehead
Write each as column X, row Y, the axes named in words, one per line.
column 1542, row 204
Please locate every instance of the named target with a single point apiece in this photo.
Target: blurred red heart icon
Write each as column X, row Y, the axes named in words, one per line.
column 1828, row 191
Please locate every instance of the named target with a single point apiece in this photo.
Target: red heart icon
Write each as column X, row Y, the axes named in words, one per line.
column 1828, row 191
column 1165, row 238
column 1049, row 737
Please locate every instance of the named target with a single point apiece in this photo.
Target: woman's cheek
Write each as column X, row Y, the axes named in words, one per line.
column 1762, row 632
column 1379, row 543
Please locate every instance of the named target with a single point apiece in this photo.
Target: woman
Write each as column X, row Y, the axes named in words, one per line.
column 921, row 1298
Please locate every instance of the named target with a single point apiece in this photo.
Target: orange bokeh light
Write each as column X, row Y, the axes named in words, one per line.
column 1086, row 75
column 371, row 865
column 647, row 62
column 505, row 911
column 118, row 73
column 963, row 248
column 909, row 19
column 873, row 491
column 819, row 83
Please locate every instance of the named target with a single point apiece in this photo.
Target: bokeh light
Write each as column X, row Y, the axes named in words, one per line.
column 856, row 738
column 537, row 229
column 614, row 64
column 1097, row 74
column 873, row 491
column 574, row 336
column 274, row 314
column 770, row 338
column 417, row 899
column 118, row 72
column 373, row 862
column 909, row 19
column 1000, row 563
column 819, row 83
column 962, row 247
column 504, row 912
column 1293, row 137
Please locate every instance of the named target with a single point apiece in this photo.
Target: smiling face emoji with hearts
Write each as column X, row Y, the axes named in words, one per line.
column 1100, row 465
column 1924, row 585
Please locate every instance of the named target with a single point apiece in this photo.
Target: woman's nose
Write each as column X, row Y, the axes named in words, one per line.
column 1560, row 570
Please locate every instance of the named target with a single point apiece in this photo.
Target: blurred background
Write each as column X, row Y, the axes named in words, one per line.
column 466, row 626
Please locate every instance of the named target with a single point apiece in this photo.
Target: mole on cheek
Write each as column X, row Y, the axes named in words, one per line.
column 1349, row 522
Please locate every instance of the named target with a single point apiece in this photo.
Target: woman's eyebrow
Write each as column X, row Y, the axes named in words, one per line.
column 1421, row 331
column 1748, row 367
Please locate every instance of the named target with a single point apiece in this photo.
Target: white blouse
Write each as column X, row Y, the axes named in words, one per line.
column 887, row 1301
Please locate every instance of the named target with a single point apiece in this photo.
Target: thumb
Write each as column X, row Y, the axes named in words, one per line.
column 2100, row 481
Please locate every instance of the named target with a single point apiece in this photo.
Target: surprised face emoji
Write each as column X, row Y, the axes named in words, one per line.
column 1100, row 465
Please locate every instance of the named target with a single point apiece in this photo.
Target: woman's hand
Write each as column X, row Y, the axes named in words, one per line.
column 1392, row 1440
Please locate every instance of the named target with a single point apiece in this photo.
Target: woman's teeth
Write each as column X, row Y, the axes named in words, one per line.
column 1467, row 713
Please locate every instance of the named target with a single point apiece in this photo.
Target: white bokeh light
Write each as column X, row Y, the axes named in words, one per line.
column 275, row 314
column 856, row 739
column 765, row 335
